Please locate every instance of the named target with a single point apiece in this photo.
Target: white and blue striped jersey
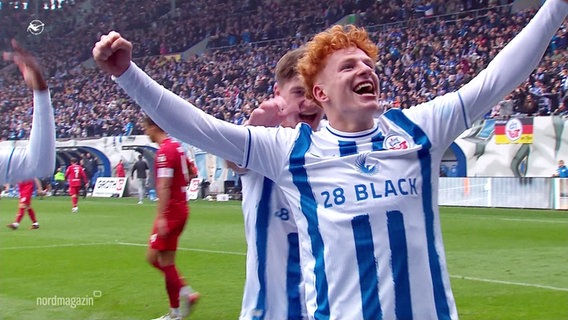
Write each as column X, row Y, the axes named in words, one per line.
column 273, row 286
column 365, row 203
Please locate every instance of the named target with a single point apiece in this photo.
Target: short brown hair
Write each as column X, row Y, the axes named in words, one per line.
column 286, row 68
column 327, row 42
column 149, row 122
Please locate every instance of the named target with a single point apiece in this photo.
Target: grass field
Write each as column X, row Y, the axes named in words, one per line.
column 504, row 264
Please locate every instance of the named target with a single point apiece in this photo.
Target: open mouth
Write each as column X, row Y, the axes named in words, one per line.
column 365, row 88
column 308, row 117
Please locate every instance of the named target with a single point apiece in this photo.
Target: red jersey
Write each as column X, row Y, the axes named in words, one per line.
column 120, row 171
column 171, row 162
column 26, row 188
column 75, row 174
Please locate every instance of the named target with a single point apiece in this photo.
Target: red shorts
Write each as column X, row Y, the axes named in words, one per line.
column 73, row 191
column 168, row 242
column 26, row 198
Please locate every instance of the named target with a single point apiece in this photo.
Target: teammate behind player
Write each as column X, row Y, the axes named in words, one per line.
column 173, row 172
column 273, row 286
column 26, row 189
column 76, row 177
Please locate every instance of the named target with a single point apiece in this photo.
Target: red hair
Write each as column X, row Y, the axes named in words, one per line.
column 327, row 42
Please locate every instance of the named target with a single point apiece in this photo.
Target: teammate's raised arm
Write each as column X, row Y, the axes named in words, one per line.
column 37, row 159
column 175, row 115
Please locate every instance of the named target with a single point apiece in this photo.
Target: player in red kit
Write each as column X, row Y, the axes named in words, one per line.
column 75, row 176
column 26, row 189
column 173, row 171
column 120, row 173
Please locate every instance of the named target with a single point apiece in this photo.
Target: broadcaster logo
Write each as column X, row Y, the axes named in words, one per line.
column 69, row 301
column 36, row 27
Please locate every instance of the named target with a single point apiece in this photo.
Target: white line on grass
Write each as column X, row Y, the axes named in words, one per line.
column 456, row 276
column 244, row 254
column 510, row 283
column 553, row 220
column 533, row 220
column 62, row 245
column 185, row 249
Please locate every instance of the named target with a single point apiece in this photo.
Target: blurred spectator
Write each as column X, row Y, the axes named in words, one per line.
column 562, row 110
column 91, row 167
column 561, row 171
column 141, row 168
column 504, row 109
column 59, row 181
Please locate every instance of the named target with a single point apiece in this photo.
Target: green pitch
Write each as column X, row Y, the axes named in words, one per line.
column 505, row 264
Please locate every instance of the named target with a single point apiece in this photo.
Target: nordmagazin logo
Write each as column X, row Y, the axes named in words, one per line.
column 69, row 301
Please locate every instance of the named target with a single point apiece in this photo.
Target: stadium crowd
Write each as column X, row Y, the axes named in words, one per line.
column 426, row 48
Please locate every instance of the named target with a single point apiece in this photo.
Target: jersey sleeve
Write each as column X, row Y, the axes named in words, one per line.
column 37, row 159
column 270, row 150
column 447, row 116
column 183, row 120
column 514, row 63
column 189, row 124
column 442, row 119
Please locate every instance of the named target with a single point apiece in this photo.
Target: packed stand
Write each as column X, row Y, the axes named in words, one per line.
column 416, row 66
column 15, row 18
column 230, row 82
column 71, row 31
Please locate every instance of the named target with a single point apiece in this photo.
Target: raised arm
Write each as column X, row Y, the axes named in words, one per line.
column 37, row 159
column 176, row 116
column 514, row 63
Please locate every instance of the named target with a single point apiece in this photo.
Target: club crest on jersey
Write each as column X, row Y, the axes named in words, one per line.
column 396, row 143
column 161, row 158
column 363, row 166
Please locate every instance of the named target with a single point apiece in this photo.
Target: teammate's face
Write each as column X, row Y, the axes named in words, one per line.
column 300, row 108
column 348, row 87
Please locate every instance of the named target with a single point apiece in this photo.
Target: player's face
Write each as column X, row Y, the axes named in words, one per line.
column 300, row 108
column 348, row 89
column 150, row 131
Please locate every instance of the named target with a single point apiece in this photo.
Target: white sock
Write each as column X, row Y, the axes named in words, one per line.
column 185, row 290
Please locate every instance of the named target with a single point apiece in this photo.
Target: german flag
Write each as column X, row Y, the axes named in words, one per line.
column 514, row 130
